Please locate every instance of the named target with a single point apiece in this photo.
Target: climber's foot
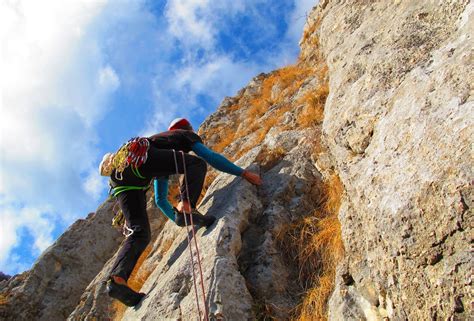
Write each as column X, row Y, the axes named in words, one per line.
column 123, row 293
column 198, row 218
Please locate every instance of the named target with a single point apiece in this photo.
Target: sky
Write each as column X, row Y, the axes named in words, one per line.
column 80, row 77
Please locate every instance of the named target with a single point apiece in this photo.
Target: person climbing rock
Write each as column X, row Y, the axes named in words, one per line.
column 158, row 156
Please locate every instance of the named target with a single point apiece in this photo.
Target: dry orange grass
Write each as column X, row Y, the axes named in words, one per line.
column 334, row 190
column 226, row 138
column 3, row 299
column 288, row 79
column 173, row 192
column 268, row 158
column 313, row 111
column 233, row 108
column 310, row 30
column 315, row 243
column 311, row 38
column 258, row 106
column 314, row 304
column 291, row 78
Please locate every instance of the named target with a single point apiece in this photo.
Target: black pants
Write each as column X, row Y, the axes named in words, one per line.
column 160, row 162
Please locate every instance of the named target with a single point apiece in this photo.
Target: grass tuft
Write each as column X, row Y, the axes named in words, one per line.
column 3, row 299
column 314, row 101
column 268, row 158
column 315, row 243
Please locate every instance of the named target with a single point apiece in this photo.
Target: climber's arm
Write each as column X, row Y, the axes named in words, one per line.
column 221, row 163
column 216, row 160
column 161, row 197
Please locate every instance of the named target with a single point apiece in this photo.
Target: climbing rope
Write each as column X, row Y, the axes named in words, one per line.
column 189, row 241
column 195, row 241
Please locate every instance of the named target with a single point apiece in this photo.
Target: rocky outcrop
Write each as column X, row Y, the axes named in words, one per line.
column 399, row 124
column 246, row 275
column 396, row 129
column 4, row 276
column 52, row 288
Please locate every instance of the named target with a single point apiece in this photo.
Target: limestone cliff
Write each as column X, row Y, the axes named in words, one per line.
column 399, row 124
column 389, row 153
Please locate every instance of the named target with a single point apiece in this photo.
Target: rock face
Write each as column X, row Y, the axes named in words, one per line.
column 399, row 124
column 245, row 274
column 4, row 276
column 52, row 288
column 397, row 128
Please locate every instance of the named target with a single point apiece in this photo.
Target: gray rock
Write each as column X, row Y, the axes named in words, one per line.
column 397, row 129
column 54, row 285
column 399, row 124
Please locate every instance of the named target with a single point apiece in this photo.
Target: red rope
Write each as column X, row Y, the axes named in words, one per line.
column 189, row 240
column 137, row 151
column 195, row 241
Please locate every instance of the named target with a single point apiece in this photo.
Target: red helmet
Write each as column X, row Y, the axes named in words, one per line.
column 180, row 123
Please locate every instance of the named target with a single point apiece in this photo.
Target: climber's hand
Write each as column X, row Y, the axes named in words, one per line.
column 252, row 177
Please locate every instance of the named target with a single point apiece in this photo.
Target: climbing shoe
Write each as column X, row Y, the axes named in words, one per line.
column 123, row 293
column 198, row 218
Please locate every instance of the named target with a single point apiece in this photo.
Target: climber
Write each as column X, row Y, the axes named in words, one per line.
column 164, row 156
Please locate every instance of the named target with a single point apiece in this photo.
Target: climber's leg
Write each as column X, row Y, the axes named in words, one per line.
column 133, row 205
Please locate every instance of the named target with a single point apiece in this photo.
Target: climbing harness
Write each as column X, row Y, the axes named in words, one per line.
column 114, row 191
column 206, row 313
column 119, row 222
column 133, row 153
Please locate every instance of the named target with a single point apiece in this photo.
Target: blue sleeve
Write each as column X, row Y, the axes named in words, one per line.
column 216, row 160
column 161, row 197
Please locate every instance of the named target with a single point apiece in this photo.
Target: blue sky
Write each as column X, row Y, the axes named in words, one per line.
column 81, row 77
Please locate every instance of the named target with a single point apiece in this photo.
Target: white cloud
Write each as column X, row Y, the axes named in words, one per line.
column 195, row 25
column 217, row 77
column 108, row 78
column 56, row 81
column 9, row 237
column 188, row 21
column 197, row 22
column 94, row 184
column 36, row 221
column 54, row 88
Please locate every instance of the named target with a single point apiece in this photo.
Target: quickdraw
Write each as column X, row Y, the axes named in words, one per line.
column 137, row 151
column 134, row 153
column 119, row 222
